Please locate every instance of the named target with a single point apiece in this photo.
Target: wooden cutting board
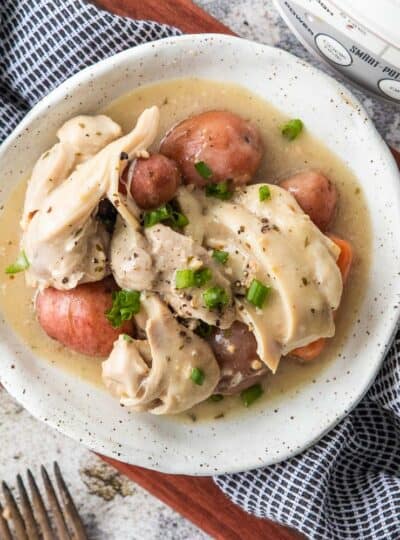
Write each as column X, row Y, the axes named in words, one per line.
column 198, row 499
column 180, row 13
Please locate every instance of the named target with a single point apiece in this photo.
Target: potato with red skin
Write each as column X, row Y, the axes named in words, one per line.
column 152, row 181
column 235, row 350
column 76, row 317
column 230, row 146
column 316, row 195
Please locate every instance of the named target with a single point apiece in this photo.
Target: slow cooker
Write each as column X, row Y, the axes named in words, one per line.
column 358, row 38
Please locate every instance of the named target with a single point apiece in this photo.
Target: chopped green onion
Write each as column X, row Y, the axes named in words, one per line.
column 250, row 395
column 127, row 338
column 165, row 213
column 257, row 293
column 197, row 376
column 19, row 265
column 292, row 129
column 220, row 256
column 203, row 329
column 216, row 397
column 203, row 169
column 202, row 276
column 125, row 305
column 192, row 278
column 179, row 220
column 152, row 217
column 184, row 279
column 215, row 297
column 264, row 193
column 219, row 191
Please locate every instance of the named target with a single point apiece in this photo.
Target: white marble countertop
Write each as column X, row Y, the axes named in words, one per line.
column 113, row 507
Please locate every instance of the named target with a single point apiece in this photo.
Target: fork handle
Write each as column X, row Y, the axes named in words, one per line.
column 5, row 533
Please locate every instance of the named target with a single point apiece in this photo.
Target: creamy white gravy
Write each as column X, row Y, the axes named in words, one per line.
column 177, row 100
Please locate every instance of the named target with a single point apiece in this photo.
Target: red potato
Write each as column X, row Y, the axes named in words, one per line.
column 76, row 318
column 230, row 146
column 152, row 181
column 316, row 195
column 236, row 352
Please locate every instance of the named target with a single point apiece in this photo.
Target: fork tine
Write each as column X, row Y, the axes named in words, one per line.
column 30, row 523
column 40, row 510
column 55, row 506
column 5, row 532
column 16, row 517
column 69, row 505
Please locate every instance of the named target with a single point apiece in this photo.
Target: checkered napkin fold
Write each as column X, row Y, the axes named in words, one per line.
column 347, row 486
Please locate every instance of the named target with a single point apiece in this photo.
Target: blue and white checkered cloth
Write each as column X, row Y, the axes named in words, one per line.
column 347, row 486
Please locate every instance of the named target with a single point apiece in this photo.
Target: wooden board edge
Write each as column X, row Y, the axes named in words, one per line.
column 180, row 13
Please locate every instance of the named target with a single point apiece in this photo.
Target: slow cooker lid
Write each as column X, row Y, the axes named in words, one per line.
column 381, row 17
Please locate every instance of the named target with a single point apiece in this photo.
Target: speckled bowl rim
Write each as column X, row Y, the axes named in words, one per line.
column 193, row 464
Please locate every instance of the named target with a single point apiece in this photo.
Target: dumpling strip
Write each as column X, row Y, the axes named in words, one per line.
column 156, row 374
column 299, row 262
column 64, row 243
column 274, row 242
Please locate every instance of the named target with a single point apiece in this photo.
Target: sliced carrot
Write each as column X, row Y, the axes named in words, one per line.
column 344, row 261
column 345, row 258
column 310, row 351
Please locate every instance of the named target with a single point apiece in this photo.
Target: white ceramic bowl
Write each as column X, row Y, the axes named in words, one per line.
column 260, row 437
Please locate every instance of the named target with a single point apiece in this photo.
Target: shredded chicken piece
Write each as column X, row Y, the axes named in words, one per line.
column 64, row 243
column 155, row 374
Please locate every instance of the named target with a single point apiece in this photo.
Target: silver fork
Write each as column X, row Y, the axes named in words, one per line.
column 33, row 521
